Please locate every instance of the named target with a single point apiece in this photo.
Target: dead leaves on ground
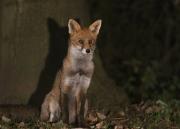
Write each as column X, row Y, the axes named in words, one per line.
column 145, row 115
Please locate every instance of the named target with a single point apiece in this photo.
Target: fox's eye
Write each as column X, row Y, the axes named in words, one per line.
column 81, row 41
column 90, row 42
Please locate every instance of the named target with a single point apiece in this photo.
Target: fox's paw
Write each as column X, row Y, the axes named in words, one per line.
column 54, row 112
column 50, row 109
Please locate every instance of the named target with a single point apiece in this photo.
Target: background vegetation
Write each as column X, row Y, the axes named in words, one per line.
column 139, row 46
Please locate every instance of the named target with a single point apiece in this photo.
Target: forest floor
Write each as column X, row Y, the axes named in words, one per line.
column 145, row 115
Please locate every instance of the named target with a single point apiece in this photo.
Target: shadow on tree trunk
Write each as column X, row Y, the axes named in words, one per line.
column 57, row 50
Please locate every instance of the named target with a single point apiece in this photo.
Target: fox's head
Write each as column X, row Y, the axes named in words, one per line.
column 83, row 40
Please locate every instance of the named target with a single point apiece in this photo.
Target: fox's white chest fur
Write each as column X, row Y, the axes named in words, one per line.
column 81, row 65
column 78, row 82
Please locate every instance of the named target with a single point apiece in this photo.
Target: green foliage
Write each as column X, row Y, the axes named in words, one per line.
column 139, row 46
column 164, row 116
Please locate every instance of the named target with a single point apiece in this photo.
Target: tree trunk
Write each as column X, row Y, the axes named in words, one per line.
column 33, row 41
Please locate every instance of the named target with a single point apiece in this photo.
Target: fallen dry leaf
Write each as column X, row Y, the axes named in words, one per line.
column 152, row 109
column 21, row 124
column 100, row 125
column 121, row 113
column 101, row 116
column 92, row 118
column 118, row 127
column 5, row 119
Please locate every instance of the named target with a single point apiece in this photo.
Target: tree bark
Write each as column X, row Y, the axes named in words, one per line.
column 33, row 45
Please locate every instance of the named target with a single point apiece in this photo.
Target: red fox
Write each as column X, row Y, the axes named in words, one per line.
column 74, row 77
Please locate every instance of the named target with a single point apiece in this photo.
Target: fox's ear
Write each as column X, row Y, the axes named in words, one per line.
column 73, row 26
column 95, row 27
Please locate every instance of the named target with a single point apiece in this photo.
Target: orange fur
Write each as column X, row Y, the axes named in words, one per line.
column 74, row 78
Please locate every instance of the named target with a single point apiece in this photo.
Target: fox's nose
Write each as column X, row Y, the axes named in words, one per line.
column 87, row 50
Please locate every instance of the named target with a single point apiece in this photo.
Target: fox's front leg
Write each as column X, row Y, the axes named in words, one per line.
column 82, row 108
column 77, row 106
column 50, row 109
column 86, row 108
column 72, row 109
